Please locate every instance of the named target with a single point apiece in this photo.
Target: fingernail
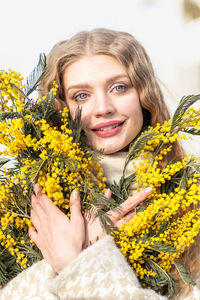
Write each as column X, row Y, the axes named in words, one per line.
column 148, row 189
column 75, row 193
column 107, row 193
column 37, row 188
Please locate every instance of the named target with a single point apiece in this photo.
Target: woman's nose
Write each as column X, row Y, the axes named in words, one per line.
column 103, row 105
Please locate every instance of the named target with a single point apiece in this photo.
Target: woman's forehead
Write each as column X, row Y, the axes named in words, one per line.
column 93, row 68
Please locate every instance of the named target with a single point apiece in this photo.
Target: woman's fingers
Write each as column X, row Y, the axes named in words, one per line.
column 40, row 201
column 130, row 204
column 35, row 220
column 32, row 232
column 37, row 188
column 129, row 216
column 133, row 201
column 126, row 218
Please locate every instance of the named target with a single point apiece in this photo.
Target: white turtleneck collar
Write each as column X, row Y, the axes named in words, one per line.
column 113, row 166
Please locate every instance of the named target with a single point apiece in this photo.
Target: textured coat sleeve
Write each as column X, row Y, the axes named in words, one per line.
column 100, row 272
column 31, row 284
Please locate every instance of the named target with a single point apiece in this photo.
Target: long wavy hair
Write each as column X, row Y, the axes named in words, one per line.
column 133, row 57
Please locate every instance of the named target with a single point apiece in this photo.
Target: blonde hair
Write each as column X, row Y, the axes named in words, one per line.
column 132, row 56
column 121, row 45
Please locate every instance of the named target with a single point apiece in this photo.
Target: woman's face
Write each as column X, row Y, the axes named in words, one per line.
column 111, row 111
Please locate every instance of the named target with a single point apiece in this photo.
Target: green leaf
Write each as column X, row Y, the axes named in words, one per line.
column 194, row 164
column 138, row 145
column 183, row 272
column 184, row 104
column 8, row 115
column 184, row 179
column 76, row 127
column 196, row 167
column 48, row 106
column 46, row 109
column 35, row 169
column 192, row 131
column 116, row 192
column 14, row 87
column 128, row 180
column 125, row 184
column 162, row 229
column 8, row 266
column 163, row 279
column 105, row 221
column 162, row 248
column 36, row 75
column 4, row 161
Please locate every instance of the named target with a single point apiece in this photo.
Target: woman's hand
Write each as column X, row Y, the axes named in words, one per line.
column 125, row 213
column 59, row 238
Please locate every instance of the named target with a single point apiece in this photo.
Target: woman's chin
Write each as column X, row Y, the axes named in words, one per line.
column 111, row 149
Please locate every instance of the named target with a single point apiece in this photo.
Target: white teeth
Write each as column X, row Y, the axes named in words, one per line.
column 108, row 127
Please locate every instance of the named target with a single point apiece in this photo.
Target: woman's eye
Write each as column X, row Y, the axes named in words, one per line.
column 120, row 88
column 80, row 96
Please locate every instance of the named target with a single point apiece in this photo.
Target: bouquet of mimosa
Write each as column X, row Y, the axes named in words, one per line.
column 44, row 145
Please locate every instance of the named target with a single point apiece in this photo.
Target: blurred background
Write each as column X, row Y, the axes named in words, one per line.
column 168, row 29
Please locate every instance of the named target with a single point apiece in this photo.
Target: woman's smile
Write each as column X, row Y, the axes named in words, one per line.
column 111, row 111
column 108, row 129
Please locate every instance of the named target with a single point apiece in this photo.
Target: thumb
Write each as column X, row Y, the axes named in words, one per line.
column 75, row 206
column 108, row 194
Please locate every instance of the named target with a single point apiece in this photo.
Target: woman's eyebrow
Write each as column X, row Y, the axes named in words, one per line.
column 116, row 77
column 78, row 86
column 108, row 81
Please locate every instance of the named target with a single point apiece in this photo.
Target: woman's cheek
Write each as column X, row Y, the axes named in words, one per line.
column 72, row 110
column 84, row 122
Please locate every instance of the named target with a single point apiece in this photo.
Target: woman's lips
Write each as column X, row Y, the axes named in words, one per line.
column 108, row 129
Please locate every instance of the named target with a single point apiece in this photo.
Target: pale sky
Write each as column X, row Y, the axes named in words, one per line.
column 29, row 27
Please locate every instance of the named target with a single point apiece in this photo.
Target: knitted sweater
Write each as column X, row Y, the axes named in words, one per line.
column 99, row 272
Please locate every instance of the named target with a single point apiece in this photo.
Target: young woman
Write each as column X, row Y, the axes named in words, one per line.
column 109, row 75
